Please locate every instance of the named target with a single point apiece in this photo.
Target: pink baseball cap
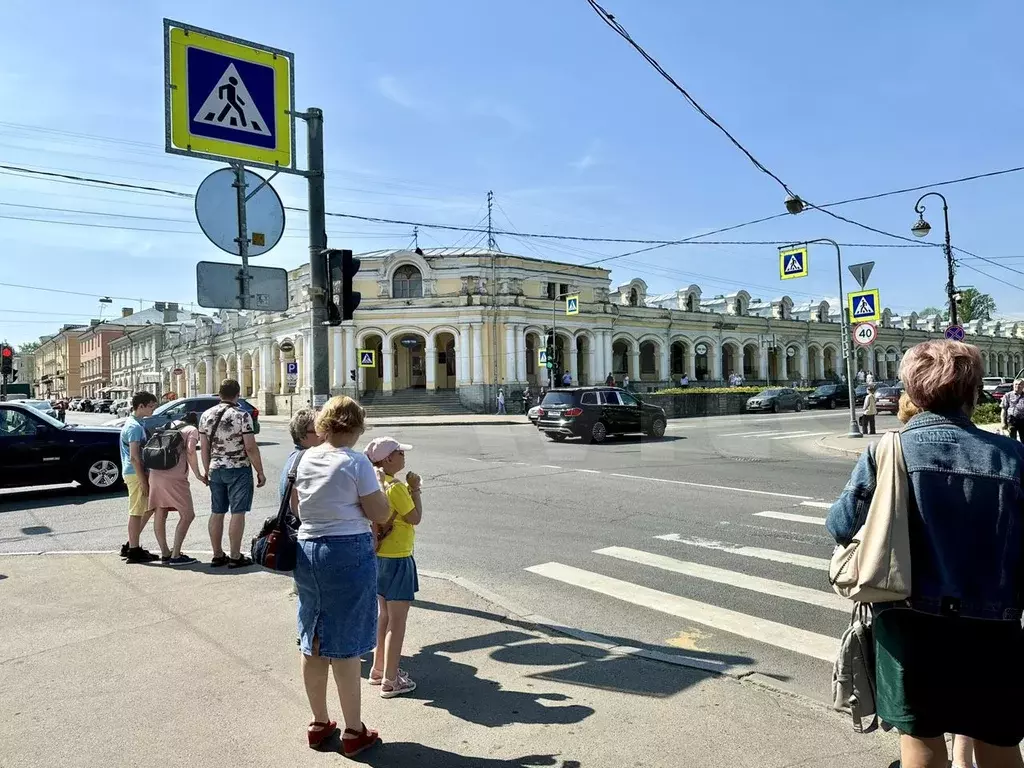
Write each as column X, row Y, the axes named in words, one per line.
column 381, row 447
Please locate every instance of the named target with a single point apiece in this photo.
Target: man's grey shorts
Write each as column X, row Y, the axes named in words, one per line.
column 231, row 490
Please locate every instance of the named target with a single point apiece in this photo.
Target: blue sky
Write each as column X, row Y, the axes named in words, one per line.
column 429, row 105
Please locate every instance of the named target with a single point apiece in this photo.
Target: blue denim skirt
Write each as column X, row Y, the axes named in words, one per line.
column 336, row 578
column 397, row 578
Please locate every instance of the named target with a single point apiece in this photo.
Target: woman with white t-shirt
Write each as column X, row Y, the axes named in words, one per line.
column 337, row 495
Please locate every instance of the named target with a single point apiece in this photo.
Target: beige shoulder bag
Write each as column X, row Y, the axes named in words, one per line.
column 875, row 566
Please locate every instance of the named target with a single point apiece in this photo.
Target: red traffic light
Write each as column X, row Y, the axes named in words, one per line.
column 8, row 352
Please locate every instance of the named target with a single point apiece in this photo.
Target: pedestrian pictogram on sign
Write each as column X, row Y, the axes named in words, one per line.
column 955, row 333
column 865, row 306
column 865, row 334
column 367, row 358
column 228, row 98
column 542, row 356
column 793, row 263
column 572, row 305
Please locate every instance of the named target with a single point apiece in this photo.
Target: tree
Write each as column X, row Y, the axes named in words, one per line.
column 928, row 311
column 975, row 305
column 28, row 347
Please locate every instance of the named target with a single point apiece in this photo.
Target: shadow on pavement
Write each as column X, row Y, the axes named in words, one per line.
column 403, row 754
column 54, row 496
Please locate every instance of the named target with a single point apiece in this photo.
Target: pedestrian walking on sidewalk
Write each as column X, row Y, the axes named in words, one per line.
column 337, row 496
column 397, row 581
column 501, row 402
column 609, row 380
column 136, row 479
column 1012, row 411
column 169, row 489
column 867, row 418
column 229, row 455
column 950, row 664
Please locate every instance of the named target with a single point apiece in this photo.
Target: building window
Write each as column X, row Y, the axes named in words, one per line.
column 634, row 297
column 552, row 290
column 563, row 290
column 407, row 283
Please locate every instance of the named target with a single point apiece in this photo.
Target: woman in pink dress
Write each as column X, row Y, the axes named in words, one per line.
column 169, row 490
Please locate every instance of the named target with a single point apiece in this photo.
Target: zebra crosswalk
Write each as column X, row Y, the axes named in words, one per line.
column 678, row 562
column 777, row 434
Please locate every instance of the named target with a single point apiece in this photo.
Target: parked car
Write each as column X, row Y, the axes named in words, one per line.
column 74, row 403
column 1001, row 390
column 533, row 414
column 989, row 383
column 120, row 408
column 43, row 406
column 775, row 400
column 830, row 396
column 102, row 406
column 85, row 405
column 38, row 450
column 860, row 393
column 887, row 399
column 176, row 409
column 594, row 413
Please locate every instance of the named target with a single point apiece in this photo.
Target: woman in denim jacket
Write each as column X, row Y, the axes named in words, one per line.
column 951, row 659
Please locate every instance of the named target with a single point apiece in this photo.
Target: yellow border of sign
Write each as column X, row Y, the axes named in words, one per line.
column 782, row 262
column 572, row 311
column 854, row 295
column 181, row 136
column 542, row 357
column 373, row 356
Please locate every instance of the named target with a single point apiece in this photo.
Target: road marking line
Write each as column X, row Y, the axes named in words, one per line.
column 775, row 555
column 790, row 517
column 751, row 627
column 749, row 434
column 731, row 578
column 802, row 434
column 548, row 466
column 520, row 463
column 817, row 504
column 470, row 458
column 589, row 471
column 712, row 487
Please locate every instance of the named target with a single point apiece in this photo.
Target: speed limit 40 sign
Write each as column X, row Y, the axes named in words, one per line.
column 865, row 333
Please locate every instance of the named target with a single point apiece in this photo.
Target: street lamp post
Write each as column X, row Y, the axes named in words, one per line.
column 844, row 326
column 922, row 228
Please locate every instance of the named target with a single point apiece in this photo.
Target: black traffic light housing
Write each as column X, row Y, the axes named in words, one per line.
column 342, row 266
column 6, row 360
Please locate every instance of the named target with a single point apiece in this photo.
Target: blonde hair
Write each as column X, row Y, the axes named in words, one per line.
column 942, row 375
column 908, row 409
column 341, row 415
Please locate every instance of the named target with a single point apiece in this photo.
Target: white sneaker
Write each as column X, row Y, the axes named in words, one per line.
column 389, row 689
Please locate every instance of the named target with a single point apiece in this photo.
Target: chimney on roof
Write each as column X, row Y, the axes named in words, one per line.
column 94, row 323
column 126, row 311
column 172, row 305
column 159, row 306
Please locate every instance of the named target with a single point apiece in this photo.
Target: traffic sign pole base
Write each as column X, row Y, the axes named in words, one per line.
column 854, row 429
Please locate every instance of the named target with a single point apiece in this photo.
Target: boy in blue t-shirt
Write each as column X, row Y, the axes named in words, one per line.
column 133, row 438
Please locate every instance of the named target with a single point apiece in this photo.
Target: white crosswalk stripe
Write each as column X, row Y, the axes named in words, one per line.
column 792, row 518
column 776, row 434
column 804, row 561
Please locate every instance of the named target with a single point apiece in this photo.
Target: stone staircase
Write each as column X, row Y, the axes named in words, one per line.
column 412, row 402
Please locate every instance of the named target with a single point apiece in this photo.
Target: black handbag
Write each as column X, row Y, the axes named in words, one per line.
column 276, row 545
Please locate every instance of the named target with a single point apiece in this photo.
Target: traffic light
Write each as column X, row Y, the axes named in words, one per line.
column 343, row 266
column 6, row 361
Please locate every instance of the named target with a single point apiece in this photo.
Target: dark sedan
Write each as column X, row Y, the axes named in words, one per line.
column 38, row 450
column 775, row 400
column 594, row 413
column 829, row 396
column 887, row 399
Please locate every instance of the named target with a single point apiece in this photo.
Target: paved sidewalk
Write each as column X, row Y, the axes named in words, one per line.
column 852, row 446
column 447, row 420
column 106, row 664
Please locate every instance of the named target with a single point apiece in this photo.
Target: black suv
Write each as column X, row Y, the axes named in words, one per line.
column 198, row 404
column 829, row 396
column 593, row 413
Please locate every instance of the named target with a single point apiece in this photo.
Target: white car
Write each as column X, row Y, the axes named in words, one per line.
column 533, row 414
column 989, row 383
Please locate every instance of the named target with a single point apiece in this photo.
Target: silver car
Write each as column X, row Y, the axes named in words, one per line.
column 42, row 406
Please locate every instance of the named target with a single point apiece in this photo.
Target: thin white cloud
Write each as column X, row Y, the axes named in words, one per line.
column 588, row 159
column 392, row 90
column 506, row 113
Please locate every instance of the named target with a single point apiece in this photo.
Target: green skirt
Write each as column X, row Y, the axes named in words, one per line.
column 939, row 675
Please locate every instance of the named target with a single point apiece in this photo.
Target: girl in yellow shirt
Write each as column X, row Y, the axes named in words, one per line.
column 397, row 582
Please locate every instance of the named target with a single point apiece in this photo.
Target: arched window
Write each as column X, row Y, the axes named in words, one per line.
column 689, row 303
column 407, row 283
column 634, row 298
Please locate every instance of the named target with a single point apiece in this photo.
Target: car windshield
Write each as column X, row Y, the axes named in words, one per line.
column 889, row 392
column 558, row 398
column 769, row 393
column 48, row 419
column 826, row 389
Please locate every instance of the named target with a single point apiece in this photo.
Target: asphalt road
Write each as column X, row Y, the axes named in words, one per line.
column 707, row 544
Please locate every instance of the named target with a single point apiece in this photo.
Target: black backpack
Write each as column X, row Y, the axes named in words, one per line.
column 163, row 449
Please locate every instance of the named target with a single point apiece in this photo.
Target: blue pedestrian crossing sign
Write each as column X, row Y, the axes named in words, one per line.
column 367, row 358
column 228, row 98
column 865, row 306
column 542, row 356
column 572, row 305
column 793, row 262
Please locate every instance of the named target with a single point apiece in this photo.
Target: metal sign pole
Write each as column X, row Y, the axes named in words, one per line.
column 243, row 235
column 319, row 280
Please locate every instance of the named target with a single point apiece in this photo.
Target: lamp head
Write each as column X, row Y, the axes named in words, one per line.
column 921, row 228
column 794, row 204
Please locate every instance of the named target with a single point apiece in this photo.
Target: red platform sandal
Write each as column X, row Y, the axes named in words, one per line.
column 319, row 734
column 362, row 741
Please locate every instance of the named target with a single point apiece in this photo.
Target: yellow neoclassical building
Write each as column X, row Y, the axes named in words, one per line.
column 468, row 322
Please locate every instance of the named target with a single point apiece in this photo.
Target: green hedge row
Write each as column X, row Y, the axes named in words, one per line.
column 986, row 413
column 721, row 390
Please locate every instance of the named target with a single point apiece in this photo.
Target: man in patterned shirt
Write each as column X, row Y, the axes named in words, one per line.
column 1013, row 411
column 229, row 455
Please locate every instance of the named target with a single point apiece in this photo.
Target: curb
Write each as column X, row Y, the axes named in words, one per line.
column 754, row 679
column 822, row 442
column 453, row 423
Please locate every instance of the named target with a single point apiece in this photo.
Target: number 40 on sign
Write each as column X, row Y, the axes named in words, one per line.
column 864, row 333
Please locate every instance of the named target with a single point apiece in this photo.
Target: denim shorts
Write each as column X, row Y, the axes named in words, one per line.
column 231, row 490
column 336, row 578
column 397, row 578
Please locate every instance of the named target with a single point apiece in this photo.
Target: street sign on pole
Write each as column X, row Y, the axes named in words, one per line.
column 227, row 98
column 955, row 333
column 217, row 212
column 865, row 306
column 219, row 287
column 861, row 272
column 793, row 262
column 542, row 356
column 572, row 305
column 865, row 334
column 367, row 358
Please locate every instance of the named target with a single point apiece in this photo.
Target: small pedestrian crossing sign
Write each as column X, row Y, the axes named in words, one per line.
column 793, row 262
column 572, row 305
column 367, row 358
column 542, row 356
column 865, row 306
column 231, row 105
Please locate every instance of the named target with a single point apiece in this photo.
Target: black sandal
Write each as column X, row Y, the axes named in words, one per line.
column 219, row 560
column 242, row 562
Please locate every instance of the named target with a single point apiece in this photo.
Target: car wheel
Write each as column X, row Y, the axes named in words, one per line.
column 657, row 428
column 101, row 473
column 556, row 436
column 775, row 407
column 799, row 406
column 598, row 432
column 831, row 405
